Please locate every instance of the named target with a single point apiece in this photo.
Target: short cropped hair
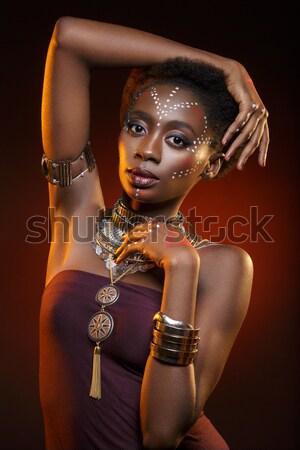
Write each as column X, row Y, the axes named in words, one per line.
column 205, row 80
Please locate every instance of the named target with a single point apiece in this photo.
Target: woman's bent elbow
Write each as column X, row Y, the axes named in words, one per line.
column 63, row 31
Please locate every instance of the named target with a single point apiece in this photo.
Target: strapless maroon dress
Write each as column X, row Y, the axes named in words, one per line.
column 72, row 419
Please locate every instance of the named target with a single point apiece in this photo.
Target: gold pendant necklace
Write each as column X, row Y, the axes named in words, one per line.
column 101, row 324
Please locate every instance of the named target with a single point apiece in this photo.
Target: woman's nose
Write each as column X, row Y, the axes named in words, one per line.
column 149, row 149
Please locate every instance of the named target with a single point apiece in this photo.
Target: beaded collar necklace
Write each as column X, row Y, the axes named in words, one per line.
column 112, row 227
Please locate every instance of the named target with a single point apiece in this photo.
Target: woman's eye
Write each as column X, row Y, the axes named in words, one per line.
column 178, row 141
column 136, row 128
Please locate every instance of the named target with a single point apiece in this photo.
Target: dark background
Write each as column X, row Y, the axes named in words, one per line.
column 255, row 405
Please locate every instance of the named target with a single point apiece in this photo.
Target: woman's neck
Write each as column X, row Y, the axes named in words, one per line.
column 154, row 210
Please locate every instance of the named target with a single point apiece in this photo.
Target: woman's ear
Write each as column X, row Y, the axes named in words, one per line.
column 213, row 167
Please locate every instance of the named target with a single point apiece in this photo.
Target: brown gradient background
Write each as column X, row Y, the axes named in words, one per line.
column 255, row 405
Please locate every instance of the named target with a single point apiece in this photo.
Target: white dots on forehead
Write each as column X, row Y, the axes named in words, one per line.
column 168, row 107
column 163, row 110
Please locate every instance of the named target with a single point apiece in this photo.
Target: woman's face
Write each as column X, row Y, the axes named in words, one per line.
column 164, row 146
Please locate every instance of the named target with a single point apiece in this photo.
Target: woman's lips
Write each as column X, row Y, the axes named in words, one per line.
column 142, row 178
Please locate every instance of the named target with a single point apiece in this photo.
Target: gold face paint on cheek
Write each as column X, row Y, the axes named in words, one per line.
column 189, row 166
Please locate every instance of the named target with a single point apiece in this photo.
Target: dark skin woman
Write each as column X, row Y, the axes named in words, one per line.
column 171, row 139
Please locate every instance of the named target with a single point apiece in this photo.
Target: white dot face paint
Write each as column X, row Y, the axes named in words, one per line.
column 172, row 105
column 165, row 109
column 191, row 166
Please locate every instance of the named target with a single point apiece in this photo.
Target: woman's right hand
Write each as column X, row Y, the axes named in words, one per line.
column 162, row 243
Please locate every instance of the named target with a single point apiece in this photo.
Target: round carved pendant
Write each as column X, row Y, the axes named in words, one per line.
column 107, row 295
column 100, row 326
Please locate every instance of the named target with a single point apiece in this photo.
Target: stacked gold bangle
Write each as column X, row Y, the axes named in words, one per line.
column 173, row 342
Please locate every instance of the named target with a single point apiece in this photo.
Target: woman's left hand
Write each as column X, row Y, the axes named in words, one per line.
column 163, row 243
column 250, row 128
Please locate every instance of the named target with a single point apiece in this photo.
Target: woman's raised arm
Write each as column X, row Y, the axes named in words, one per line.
column 80, row 45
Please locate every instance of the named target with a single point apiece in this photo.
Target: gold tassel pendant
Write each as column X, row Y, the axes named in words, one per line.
column 95, row 390
column 99, row 328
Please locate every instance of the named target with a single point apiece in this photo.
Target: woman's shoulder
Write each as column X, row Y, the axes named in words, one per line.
column 223, row 264
column 225, row 283
column 220, row 253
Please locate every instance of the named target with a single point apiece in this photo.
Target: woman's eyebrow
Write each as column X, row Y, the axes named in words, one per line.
column 142, row 115
column 181, row 124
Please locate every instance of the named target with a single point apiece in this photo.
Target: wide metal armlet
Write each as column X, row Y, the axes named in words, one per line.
column 61, row 172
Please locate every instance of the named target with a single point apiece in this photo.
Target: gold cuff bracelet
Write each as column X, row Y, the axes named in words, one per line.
column 59, row 172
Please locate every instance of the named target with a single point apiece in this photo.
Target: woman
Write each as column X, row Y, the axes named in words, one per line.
column 134, row 331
